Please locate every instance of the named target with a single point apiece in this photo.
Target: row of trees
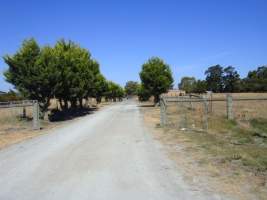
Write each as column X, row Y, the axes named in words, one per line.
column 65, row 71
column 131, row 88
column 220, row 79
column 156, row 78
column 10, row 96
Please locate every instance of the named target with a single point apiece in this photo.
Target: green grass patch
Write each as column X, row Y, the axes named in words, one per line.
column 260, row 124
column 230, row 141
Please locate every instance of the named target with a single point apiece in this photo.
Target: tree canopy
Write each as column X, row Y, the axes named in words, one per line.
column 214, row 78
column 30, row 72
column 187, row 84
column 114, row 91
column 256, row 80
column 231, row 80
column 131, row 88
column 66, row 72
column 143, row 93
column 220, row 79
column 156, row 77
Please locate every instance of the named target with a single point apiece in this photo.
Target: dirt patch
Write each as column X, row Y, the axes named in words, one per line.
column 201, row 167
column 12, row 135
column 15, row 137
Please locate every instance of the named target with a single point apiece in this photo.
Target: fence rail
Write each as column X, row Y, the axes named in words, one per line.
column 187, row 99
column 11, row 104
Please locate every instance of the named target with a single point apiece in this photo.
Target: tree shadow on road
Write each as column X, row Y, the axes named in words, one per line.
column 146, row 105
column 64, row 115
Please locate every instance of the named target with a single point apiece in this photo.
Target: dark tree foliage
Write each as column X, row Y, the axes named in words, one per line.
column 156, row 77
column 231, row 80
column 131, row 88
column 143, row 94
column 101, row 87
column 214, row 78
column 256, row 80
column 187, row 84
column 115, row 92
column 200, row 86
column 219, row 79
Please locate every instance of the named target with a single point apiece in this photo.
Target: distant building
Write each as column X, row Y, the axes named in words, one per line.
column 175, row 93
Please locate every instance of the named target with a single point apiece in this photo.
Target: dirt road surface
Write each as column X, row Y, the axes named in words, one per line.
column 106, row 155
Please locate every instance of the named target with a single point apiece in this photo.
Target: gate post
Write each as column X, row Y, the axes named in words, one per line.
column 36, row 121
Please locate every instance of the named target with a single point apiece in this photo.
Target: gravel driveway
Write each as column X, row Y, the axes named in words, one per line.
column 106, row 155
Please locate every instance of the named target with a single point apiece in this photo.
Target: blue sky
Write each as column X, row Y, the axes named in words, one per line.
column 190, row 35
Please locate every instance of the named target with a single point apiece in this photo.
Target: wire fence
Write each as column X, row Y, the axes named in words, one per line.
column 17, row 115
column 203, row 112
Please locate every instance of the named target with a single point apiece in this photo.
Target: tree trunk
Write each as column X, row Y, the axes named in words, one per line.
column 81, row 102
column 66, row 104
column 73, row 103
column 24, row 113
column 61, row 104
column 156, row 99
column 98, row 99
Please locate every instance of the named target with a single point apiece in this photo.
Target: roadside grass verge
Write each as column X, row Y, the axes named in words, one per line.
column 229, row 141
column 231, row 156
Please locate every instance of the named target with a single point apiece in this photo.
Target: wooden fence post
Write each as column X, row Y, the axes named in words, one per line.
column 229, row 106
column 206, row 112
column 24, row 112
column 211, row 106
column 191, row 105
column 36, row 121
column 162, row 112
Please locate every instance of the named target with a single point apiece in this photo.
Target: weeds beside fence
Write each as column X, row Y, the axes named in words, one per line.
column 234, row 126
column 204, row 112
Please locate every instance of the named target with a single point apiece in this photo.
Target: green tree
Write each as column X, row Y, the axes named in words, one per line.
column 214, row 78
column 187, row 84
column 76, row 73
column 131, row 88
column 231, row 80
column 31, row 72
column 101, row 87
column 66, row 72
column 200, row 86
column 114, row 91
column 156, row 77
column 256, row 80
column 120, row 93
column 143, row 94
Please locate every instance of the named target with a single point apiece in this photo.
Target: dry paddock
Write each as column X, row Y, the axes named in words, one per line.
column 244, row 109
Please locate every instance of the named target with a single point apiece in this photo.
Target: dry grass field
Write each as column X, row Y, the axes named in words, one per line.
column 11, row 119
column 14, row 128
column 231, row 155
column 243, row 110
